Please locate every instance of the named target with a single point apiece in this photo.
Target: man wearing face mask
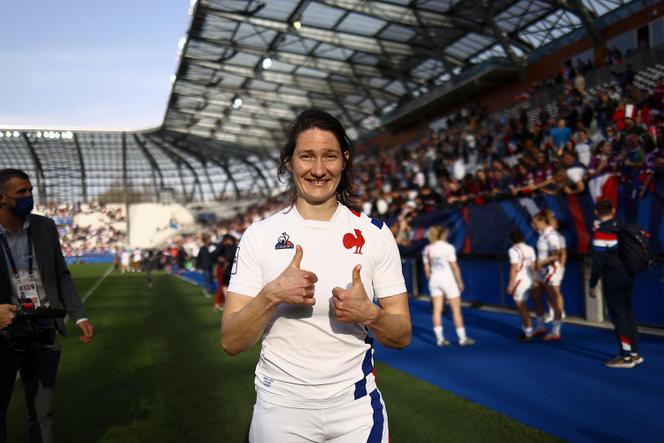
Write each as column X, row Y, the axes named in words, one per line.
column 32, row 267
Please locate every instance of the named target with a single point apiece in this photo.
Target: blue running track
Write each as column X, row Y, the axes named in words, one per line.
column 561, row 388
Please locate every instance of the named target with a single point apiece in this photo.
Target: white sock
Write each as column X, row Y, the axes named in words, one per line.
column 540, row 322
column 551, row 312
column 556, row 327
column 528, row 331
column 461, row 333
column 438, row 330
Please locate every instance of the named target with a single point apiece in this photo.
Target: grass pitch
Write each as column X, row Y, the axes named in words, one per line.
column 155, row 373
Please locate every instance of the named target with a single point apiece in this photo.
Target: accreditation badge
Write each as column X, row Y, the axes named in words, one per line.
column 27, row 289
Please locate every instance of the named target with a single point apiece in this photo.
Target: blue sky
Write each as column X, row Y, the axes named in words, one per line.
column 88, row 64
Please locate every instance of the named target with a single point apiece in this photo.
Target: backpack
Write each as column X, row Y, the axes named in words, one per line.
column 633, row 248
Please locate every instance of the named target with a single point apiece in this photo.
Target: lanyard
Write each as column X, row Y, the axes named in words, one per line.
column 10, row 256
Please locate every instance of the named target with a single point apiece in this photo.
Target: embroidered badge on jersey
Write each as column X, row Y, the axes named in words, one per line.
column 354, row 241
column 283, row 242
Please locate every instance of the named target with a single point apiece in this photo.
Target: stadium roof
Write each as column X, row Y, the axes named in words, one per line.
column 247, row 68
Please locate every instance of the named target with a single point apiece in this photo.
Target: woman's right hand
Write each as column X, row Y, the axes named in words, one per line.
column 294, row 286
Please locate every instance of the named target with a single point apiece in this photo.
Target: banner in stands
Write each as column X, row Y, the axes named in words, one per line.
column 63, row 221
column 485, row 229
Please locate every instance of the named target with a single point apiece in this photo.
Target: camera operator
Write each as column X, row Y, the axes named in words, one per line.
column 34, row 279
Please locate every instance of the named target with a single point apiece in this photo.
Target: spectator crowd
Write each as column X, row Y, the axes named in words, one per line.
column 589, row 140
column 87, row 227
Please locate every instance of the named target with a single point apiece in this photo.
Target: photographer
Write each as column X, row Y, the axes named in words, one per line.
column 34, row 279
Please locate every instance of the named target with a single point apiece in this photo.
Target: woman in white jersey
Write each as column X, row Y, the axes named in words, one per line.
column 549, row 275
column 442, row 271
column 553, row 221
column 522, row 262
column 305, row 279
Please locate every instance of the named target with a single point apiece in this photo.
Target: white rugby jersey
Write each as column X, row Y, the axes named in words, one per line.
column 523, row 255
column 439, row 254
column 549, row 241
column 308, row 359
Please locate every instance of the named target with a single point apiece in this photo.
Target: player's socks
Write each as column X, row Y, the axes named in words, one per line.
column 556, row 327
column 461, row 333
column 438, row 330
column 527, row 331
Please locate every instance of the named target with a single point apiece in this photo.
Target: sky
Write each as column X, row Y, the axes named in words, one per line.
column 88, row 64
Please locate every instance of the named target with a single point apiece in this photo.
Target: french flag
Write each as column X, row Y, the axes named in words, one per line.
column 604, row 187
column 603, row 241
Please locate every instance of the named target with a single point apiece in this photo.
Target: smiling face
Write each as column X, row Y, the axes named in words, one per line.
column 316, row 166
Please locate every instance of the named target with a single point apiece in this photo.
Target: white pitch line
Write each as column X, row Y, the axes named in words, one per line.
column 97, row 283
column 205, row 294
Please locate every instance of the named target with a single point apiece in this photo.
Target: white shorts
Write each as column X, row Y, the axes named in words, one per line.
column 522, row 290
column 552, row 275
column 361, row 420
column 439, row 286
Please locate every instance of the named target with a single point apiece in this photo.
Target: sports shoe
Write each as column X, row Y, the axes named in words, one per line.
column 637, row 359
column 467, row 342
column 538, row 332
column 525, row 338
column 442, row 342
column 620, row 362
column 551, row 337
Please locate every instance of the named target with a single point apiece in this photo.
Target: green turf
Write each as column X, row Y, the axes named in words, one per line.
column 155, row 373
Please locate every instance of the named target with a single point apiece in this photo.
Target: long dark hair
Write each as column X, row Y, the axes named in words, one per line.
column 316, row 119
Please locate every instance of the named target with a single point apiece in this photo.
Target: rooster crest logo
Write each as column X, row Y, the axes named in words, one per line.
column 356, row 241
column 283, row 242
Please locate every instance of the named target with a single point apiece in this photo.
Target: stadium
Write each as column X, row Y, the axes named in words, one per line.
column 472, row 115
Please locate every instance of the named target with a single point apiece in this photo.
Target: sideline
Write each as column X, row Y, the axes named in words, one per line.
column 205, row 294
column 649, row 330
column 97, row 283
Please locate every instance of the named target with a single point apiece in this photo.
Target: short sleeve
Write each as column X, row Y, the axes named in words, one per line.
column 246, row 275
column 451, row 254
column 575, row 174
column 514, row 256
column 554, row 242
column 563, row 242
column 387, row 275
column 533, row 256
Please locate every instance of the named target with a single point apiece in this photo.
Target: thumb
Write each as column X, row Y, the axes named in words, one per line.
column 297, row 258
column 356, row 275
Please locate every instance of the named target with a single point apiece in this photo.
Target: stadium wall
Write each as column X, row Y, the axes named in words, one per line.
column 481, row 235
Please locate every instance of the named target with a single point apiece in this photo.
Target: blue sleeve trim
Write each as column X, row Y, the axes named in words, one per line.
column 377, row 223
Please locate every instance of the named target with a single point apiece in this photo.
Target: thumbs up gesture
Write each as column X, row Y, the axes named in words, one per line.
column 353, row 305
column 294, row 286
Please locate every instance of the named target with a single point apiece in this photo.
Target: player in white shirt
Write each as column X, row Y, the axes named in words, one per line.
column 553, row 222
column 305, row 279
column 125, row 260
column 137, row 258
column 522, row 262
column 442, row 271
column 549, row 275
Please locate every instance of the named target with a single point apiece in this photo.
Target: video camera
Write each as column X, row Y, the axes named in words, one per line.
column 32, row 327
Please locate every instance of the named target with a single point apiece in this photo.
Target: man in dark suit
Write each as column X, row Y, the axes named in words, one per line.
column 32, row 267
